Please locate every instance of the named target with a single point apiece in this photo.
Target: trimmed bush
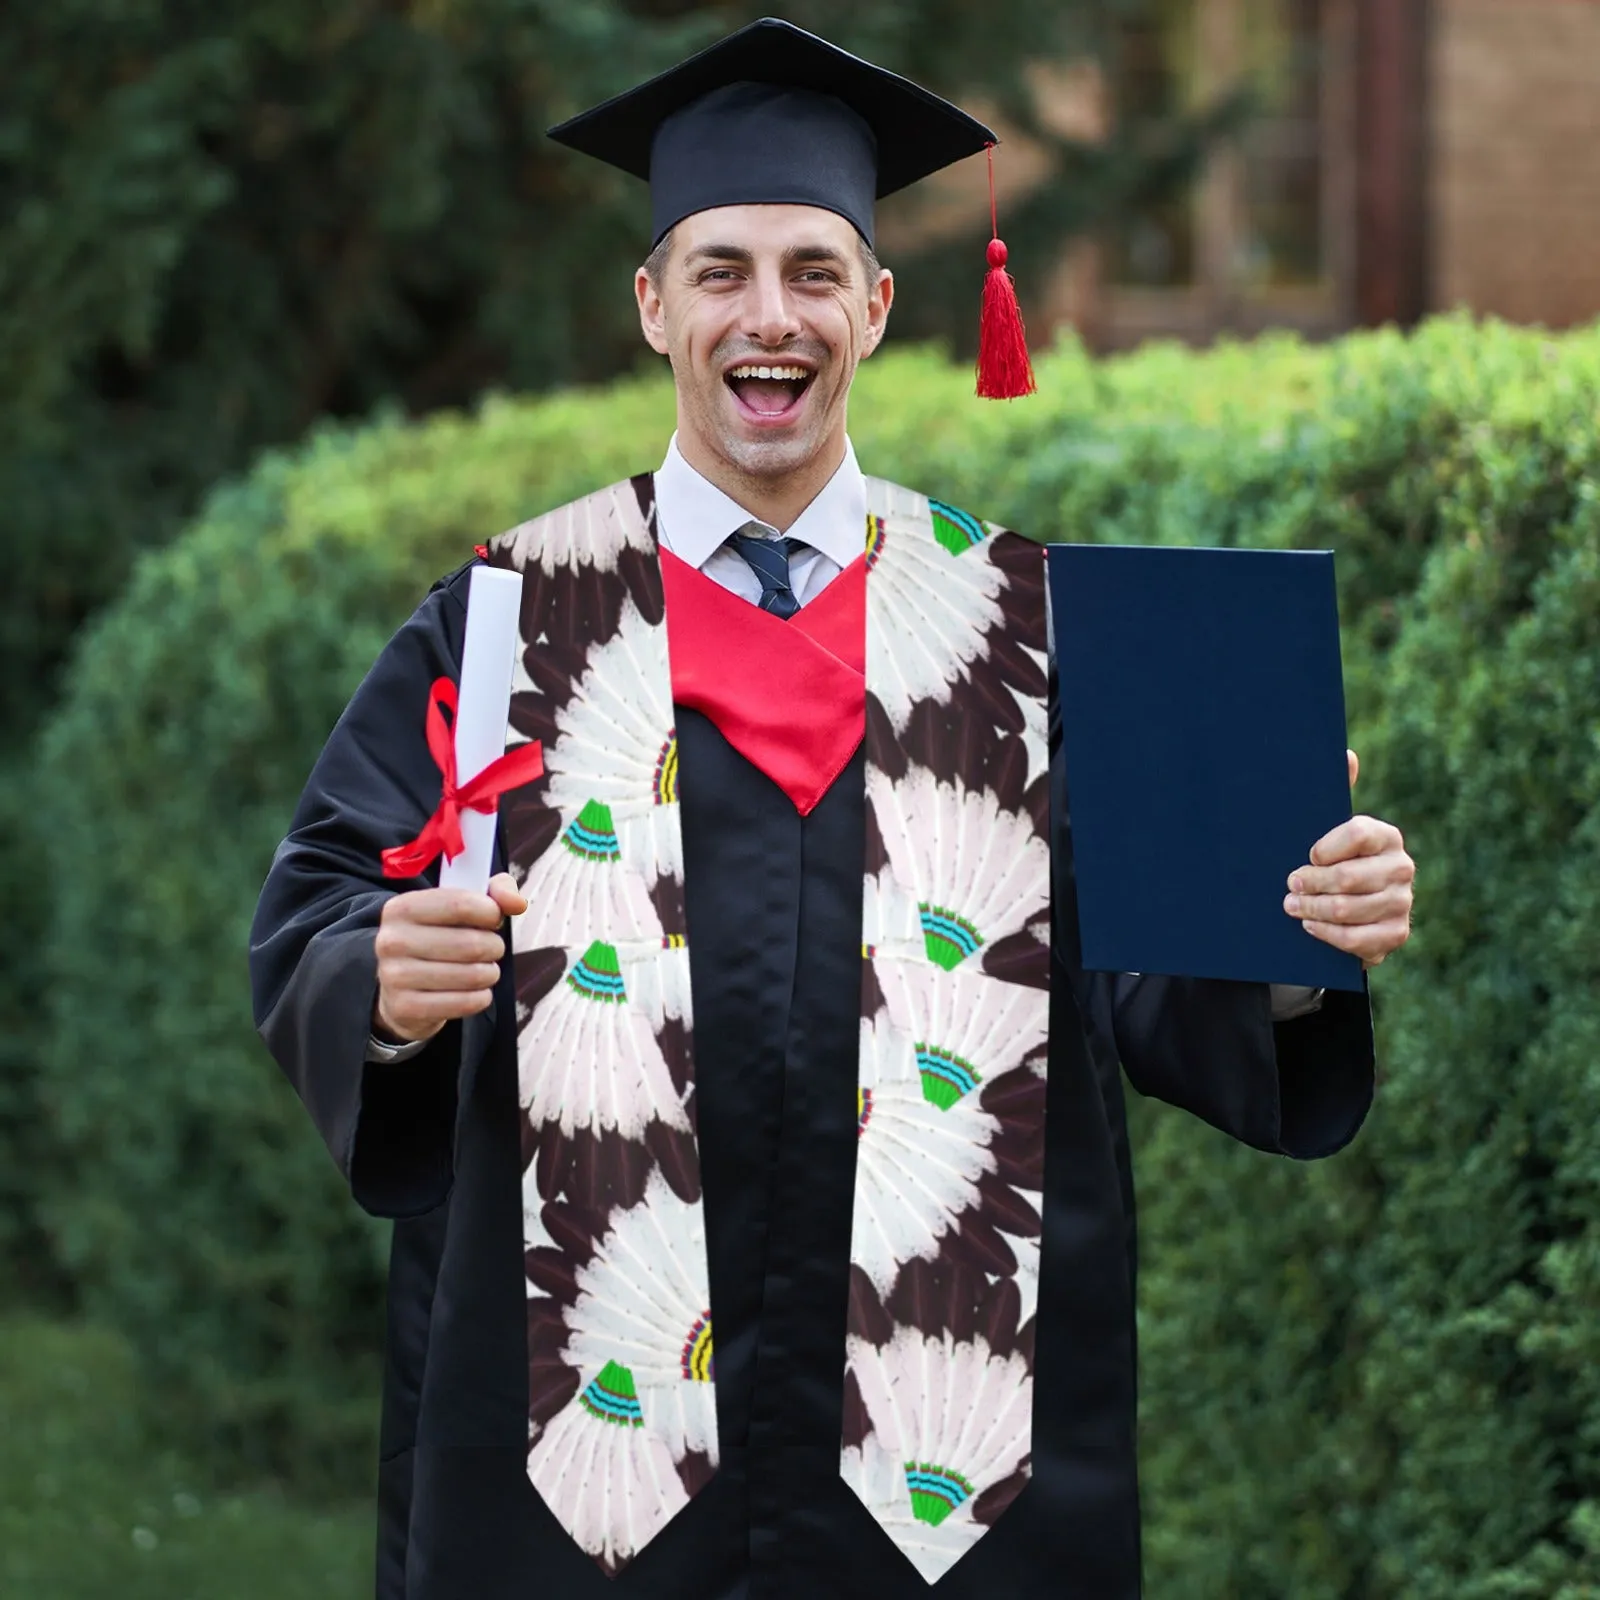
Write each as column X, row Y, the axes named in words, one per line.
column 94, row 1502
column 1368, row 1378
column 1376, row 1377
column 195, row 1212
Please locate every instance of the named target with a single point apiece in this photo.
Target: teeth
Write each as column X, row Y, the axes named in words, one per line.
column 784, row 374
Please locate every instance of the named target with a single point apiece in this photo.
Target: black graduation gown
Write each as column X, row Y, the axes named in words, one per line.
column 774, row 909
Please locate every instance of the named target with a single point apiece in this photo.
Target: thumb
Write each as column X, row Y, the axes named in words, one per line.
column 1355, row 766
column 504, row 892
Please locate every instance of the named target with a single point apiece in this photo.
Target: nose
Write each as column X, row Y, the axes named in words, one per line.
column 771, row 318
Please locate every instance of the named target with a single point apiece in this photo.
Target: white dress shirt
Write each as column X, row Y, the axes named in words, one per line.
column 694, row 519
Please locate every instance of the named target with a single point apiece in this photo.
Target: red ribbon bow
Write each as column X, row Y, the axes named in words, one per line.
column 442, row 833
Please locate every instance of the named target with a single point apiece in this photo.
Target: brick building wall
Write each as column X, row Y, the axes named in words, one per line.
column 1514, row 163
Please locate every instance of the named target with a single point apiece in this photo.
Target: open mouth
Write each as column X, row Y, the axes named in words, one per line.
column 769, row 393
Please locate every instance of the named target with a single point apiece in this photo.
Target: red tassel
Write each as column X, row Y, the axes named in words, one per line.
column 1004, row 370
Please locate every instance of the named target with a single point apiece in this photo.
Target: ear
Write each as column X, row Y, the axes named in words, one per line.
column 879, row 299
column 652, row 314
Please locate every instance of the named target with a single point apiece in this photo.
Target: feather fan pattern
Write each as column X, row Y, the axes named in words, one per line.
column 955, row 1018
column 954, row 1014
column 622, row 1408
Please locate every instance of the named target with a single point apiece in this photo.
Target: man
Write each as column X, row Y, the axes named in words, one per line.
column 763, row 1212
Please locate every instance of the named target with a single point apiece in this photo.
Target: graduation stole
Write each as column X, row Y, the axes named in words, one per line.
column 938, row 1355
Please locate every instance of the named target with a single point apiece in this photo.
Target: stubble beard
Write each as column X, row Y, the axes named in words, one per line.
column 769, row 459
column 765, row 460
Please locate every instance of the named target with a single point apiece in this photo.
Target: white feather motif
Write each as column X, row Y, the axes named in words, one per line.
column 593, row 532
column 608, row 1478
column 616, row 744
column 879, row 1482
column 917, row 1166
column 889, row 915
column 964, row 1023
column 956, row 1416
column 657, row 979
column 1027, row 1253
column 589, row 1058
column 928, row 608
column 1035, row 719
column 582, row 883
column 644, row 1301
column 978, row 873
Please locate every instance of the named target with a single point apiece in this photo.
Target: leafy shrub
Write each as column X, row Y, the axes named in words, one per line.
column 1372, row 1377
column 94, row 1502
column 197, row 1216
column 1376, row 1377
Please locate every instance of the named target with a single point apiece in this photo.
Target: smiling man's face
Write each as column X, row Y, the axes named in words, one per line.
column 765, row 312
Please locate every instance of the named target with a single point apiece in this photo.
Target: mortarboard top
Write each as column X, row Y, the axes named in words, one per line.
column 773, row 115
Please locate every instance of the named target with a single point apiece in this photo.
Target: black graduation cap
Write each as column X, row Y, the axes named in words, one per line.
column 774, row 115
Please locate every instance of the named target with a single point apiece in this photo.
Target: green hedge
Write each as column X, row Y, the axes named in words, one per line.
column 1378, row 1377
column 94, row 1502
column 1368, row 1378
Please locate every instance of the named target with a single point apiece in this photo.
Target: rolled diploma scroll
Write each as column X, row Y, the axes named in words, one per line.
column 488, row 659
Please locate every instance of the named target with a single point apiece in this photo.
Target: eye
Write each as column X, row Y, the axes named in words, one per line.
column 817, row 275
column 718, row 275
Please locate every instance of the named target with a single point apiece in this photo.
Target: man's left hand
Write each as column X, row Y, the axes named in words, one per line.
column 1355, row 893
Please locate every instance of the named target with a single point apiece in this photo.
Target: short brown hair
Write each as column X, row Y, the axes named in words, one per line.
column 655, row 264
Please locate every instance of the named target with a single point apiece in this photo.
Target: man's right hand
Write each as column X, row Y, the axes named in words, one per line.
column 439, row 953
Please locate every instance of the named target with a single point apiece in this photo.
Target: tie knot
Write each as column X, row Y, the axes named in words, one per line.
column 767, row 555
column 756, row 529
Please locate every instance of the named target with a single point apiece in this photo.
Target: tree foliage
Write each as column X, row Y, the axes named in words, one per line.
column 1372, row 1378
column 222, row 224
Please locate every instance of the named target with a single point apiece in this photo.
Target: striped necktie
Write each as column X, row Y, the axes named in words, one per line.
column 768, row 558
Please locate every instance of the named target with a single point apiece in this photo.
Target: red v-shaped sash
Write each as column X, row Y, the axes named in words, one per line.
column 789, row 696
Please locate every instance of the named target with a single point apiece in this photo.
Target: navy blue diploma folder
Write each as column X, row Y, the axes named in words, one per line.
column 1202, row 719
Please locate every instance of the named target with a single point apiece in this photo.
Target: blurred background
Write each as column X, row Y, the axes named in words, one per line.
column 297, row 304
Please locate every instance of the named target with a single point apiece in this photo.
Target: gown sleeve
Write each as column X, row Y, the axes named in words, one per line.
column 313, row 966
column 1299, row 1088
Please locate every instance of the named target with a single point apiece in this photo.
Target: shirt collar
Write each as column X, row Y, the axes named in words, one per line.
column 695, row 517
